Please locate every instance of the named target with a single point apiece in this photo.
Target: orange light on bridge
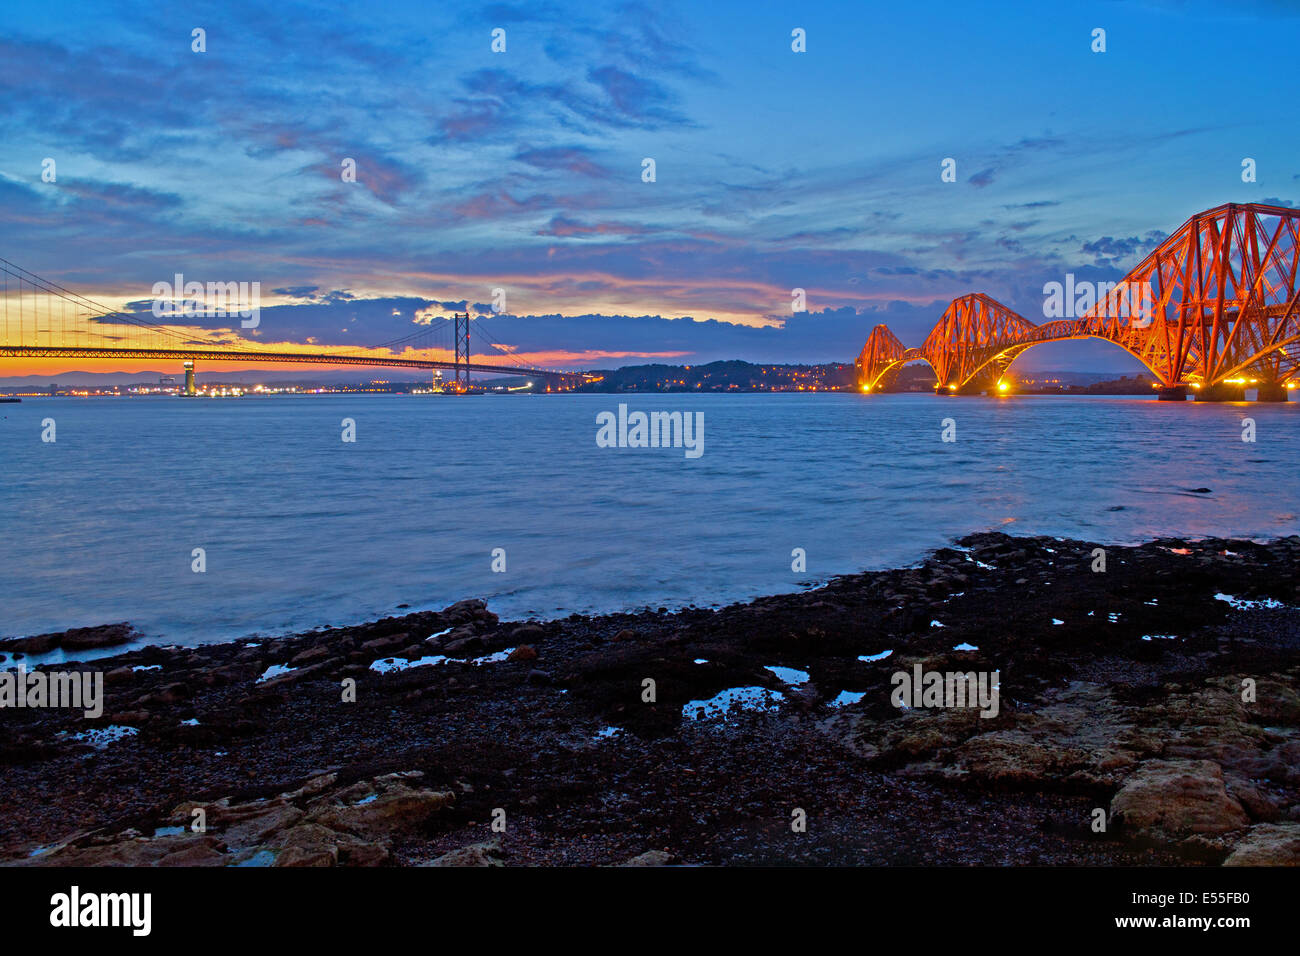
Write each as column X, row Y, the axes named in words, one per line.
column 1003, row 386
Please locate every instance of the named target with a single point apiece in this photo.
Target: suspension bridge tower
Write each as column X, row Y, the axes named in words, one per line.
column 462, row 349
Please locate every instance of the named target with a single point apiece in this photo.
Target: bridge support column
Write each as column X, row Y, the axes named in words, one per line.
column 190, row 390
column 1172, row 393
column 462, row 351
column 1272, row 392
column 942, row 389
column 1223, row 392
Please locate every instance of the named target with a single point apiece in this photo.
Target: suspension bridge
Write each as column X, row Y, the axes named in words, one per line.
column 1213, row 309
column 44, row 320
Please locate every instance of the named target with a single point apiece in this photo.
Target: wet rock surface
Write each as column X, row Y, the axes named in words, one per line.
column 76, row 639
column 1161, row 695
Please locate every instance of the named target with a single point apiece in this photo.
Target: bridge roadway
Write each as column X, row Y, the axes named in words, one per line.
column 302, row 358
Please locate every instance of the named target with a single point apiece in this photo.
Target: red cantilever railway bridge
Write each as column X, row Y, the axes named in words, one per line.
column 1223, row 311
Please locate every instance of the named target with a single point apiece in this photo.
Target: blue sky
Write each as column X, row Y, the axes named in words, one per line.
column 522, row 170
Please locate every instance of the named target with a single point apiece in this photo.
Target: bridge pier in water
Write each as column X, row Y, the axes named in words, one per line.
column 190, row 390
column 1223, row 392
column 965, row 390
column 1272, row 392
column 1172, row 393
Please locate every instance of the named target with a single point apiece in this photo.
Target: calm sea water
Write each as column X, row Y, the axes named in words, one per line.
column 302, row 529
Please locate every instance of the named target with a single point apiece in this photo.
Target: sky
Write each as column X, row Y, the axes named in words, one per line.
column 523, row 170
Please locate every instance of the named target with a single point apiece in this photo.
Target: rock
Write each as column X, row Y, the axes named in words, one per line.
column 308, row 845
column 1257, row 803
column 307, row 856
column 39, row 644
column 236, row 673
column 131, row 849
column 471, row 610
column 1177, row 797
column 389, row 642
column 525, row 633
column 248, row 826
column 197, row 854
column 465, row 645
column 313, row 655
column 627, row 634
column 88, row 638
column 316, row 825
column 650, row 858
column 477, row 854
column 465, row 609
column 1268, row 844
column 523, row 652
column 75, row 639
column 175, row 693
column 391, row 806
column 295, row 676
column 1277, row 704
column 362, row 854
column 458, row 633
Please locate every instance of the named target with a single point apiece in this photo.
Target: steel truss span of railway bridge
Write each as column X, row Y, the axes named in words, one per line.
column 1212, row 311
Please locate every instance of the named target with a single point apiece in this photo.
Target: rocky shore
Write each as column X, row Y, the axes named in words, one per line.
column 1148, row 713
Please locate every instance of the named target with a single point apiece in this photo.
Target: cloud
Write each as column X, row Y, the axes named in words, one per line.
column 564, row 227
column 571, row 159
column 1114, row 248
column 497, row 102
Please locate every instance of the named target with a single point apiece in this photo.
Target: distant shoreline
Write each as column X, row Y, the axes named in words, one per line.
column 1135, row 392
column 729, row 377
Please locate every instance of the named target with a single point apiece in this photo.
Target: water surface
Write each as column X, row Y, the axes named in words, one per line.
column 301, row 529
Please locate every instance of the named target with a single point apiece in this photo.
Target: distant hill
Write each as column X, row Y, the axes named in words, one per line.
column 730, row 376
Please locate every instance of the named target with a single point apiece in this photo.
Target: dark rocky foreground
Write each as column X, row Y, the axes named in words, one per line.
column 1154, row 732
